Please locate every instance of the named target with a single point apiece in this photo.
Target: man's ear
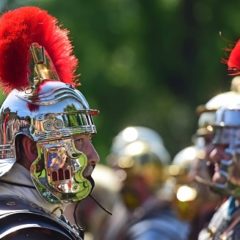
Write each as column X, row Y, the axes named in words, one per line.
column 30, row 149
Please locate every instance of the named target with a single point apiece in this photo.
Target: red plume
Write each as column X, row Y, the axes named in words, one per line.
column 20, row 28
column 233, row 61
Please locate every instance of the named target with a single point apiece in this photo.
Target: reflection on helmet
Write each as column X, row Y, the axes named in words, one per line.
column 45, row 107
column 139, row 153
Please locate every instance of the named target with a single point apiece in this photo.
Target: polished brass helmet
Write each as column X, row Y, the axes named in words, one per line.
column 139, row 150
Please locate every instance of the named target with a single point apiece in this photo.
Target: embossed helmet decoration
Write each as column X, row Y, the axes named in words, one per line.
column 37, row 70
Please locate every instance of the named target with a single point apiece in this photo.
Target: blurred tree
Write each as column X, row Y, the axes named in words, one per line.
column 148, row 62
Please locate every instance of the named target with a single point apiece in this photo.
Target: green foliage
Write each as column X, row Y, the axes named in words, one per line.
column 148, row 62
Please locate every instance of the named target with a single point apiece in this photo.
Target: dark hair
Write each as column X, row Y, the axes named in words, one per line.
column 19, row 148
column 21, row 157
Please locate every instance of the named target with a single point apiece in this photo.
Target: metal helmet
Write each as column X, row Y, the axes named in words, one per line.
column 183, row 162
column 190, row 197
column 43, row 104
column 207, row 112
column 226, row 130
column 227, row 133
column 140, row 150
column 207, row 117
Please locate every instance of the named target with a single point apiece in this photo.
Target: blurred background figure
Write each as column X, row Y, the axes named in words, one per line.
column 140, row 160
column 193, row 201
column 224, row 155
column 88, row 213
column 207, row 116
column 203, row 169
column 192, row 168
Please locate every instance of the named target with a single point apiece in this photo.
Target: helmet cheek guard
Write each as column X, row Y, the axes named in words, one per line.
column 58, row 171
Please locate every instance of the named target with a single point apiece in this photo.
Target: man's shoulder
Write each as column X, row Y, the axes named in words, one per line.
column 221, row 225
column 19, row 217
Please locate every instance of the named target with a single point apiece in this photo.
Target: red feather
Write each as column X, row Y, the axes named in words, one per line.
column 233, row 61
column 20, row 28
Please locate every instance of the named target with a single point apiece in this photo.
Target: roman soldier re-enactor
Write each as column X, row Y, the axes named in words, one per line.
column 144, row 210
column 46, row 153
column 224, row 155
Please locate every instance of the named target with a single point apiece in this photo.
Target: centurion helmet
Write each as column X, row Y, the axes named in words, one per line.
column 37, row 69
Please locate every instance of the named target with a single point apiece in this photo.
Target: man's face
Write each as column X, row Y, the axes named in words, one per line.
column 73, row 176
column 208, row 145
column 203, row 166
column 134, row 191
column 83, row 142
column 217, row 155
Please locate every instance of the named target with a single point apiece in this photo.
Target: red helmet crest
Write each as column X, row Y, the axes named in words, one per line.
column 18, row 30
